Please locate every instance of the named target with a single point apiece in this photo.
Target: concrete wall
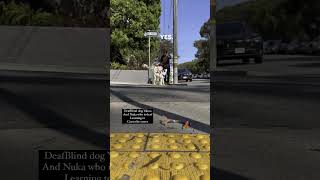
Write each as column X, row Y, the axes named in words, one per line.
column 54, row 46
column 129, row 76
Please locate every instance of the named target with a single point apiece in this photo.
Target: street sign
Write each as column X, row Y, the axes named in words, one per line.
column 151, row 33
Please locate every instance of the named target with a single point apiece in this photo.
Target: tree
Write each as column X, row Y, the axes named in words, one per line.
column 286, row 20
column 130, row 19
column 193, row 66
column 203, row 53
column 53, row 13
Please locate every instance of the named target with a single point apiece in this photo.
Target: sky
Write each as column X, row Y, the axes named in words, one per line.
column 192, row 14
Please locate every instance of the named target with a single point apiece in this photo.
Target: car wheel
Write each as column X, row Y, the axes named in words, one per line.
column 258, row 60
column 190, row 80
column 245, row 60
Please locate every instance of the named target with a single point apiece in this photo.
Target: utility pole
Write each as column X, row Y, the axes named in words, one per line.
column 149, row 60
column 175, row 42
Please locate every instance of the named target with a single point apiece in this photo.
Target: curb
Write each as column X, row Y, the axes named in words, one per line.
column 265, row 82
column 229, row 73
column 112, row 83
column 38, row 75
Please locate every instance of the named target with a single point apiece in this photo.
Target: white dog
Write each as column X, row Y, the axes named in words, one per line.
column 158, row 75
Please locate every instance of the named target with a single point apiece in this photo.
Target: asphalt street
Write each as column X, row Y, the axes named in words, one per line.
column 278, row 65
column 266, row 124
column 45, row 113
column 181, row 103
column 52, row 94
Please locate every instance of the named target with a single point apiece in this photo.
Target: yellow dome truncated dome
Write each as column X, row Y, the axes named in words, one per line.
column 159, row 156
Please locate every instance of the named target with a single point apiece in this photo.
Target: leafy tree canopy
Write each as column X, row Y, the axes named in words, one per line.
column 130, row 19
column 277, row 19
column 92, row 13
column 203, row 53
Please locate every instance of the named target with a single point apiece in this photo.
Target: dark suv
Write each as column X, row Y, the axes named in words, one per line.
column 184, row 74
column 236, row 41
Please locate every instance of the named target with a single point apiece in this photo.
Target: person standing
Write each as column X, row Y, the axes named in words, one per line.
column 165, row 63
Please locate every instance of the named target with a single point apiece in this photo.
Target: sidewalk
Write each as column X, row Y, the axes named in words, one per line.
column 129, row 83
column 196, row 112
column 117, row 83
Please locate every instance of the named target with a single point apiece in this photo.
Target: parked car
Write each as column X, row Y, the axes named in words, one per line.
column 199, row 75
column 184, row 74
column 305, row 48
column 283, row 48
column 266, row 47
column 292, row 47
column 206, row 76
column 275, row 47
column 316, row 47
column 236, row 41
column 272, row 46
column 194, row 76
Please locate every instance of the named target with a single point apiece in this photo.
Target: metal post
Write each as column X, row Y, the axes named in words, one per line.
column 149, row 62
column 175, row 42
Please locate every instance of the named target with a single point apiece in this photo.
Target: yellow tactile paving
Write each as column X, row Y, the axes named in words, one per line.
column 128, row 141
column 178, row 142
column 159, row 156
column 160, row 165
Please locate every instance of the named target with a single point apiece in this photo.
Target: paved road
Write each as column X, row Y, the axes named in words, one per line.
column 38, row 111
column 278, row 65
column 48, row 114
column 266, row 124
column 190, row 102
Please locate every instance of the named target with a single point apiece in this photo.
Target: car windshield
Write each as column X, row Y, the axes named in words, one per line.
column 228, row 29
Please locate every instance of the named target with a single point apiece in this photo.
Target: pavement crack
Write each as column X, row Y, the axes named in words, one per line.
column 152, row 161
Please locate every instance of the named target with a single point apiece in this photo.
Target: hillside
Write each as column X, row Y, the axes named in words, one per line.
column 277, row 19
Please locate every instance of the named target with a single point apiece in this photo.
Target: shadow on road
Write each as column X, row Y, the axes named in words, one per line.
column 271, row 89
column 307, row 65
column 54, row 120
column 195, row 124
column 196, row 88
column 220, row 174
column 220, row 64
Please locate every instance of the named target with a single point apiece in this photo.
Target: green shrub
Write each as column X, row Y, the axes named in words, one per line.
column 15, row 14
column 22, row 14
column 43, row 19
column 118, row 66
